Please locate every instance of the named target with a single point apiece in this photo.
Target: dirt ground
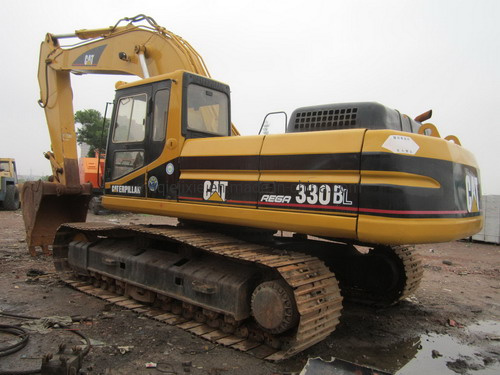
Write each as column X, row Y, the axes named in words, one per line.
column 451, row 325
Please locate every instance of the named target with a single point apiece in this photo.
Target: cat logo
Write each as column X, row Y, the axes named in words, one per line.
column 215, row 191
column 472, row 192
column 89, row 60
column 90, row 57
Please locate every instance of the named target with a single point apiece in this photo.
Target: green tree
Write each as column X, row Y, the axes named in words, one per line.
column 91, row 130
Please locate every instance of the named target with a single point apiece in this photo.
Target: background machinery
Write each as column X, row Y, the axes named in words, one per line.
column 9, row 194
column 91, row 170
column 342, row 175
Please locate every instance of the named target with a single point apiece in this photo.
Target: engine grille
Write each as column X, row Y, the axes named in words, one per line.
column 326, row 119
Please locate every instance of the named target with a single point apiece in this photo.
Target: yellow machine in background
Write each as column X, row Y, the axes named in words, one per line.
column 9, row 194
column 348, row 174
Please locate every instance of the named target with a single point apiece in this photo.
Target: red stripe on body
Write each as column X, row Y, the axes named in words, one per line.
column 339, row 208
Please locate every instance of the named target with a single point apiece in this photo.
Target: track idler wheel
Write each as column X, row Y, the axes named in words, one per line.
column 273, row 307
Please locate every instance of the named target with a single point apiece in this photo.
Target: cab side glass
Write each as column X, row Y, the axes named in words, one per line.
column 14, row 171
column 207, row 110
column 160, row 115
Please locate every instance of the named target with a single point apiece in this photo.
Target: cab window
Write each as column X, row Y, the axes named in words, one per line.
column 126, row 162
column 130, row 122
column 160, row 115
column 207, row 110
column 4, row 166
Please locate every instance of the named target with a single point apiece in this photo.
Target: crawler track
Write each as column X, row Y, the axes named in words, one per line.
column 399, row 265
column 413, row 270
column 315, row 288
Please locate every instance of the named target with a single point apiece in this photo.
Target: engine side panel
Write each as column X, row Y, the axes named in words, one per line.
column 415, row 186
column 375, row 186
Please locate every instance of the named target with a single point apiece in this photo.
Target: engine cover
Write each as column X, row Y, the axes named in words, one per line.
column 369, row 115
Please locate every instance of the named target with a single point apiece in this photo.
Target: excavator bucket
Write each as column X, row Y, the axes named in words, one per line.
column 47, row 205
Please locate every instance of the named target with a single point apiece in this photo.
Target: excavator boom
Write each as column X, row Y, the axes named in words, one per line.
column 142, row 51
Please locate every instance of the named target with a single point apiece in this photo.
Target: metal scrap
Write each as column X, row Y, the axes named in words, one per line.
column 45, row 324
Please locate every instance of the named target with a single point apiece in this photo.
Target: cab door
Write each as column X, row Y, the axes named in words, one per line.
column 127, row 140
column 136, row 137
column 162, row 175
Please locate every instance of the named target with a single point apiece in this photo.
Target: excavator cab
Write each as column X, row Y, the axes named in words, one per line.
column 149, row 126
column 151, row 119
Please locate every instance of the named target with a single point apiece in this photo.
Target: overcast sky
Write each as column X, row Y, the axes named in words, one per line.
column 279, row 55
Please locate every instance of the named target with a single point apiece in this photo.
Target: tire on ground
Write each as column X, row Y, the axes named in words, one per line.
column 95, row 205
column 11, row 201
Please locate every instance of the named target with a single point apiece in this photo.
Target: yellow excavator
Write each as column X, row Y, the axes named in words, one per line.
column 342, row 177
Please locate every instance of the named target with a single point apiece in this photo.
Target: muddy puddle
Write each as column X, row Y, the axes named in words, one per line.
column 436, row 354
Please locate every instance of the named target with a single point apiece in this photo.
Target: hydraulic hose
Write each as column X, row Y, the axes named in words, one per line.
column 17, row 331
column 24, row 335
